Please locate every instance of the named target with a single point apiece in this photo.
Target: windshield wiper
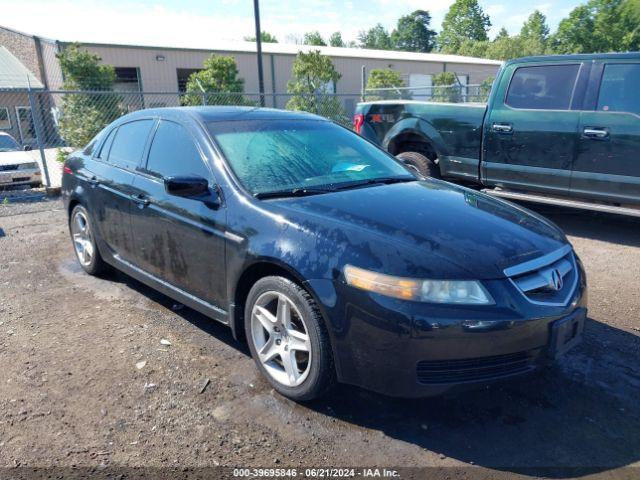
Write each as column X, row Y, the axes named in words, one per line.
column 294, row 192
column 375, row 181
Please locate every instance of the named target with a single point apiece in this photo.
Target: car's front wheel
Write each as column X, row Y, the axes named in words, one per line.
column 288, row 339
column 84, row 242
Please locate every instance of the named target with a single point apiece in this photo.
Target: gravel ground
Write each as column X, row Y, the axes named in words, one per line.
column 86, row 381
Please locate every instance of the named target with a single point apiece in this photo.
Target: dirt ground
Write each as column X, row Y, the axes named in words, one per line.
column 86, row 382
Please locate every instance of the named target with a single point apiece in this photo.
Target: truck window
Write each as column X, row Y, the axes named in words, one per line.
column 619, row 88
column 547, row 87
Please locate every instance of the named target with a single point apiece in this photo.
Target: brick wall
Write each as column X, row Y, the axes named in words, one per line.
column 23, row 47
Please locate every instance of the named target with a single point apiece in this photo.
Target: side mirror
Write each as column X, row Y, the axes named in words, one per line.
column 27, row 148
column 196, row 188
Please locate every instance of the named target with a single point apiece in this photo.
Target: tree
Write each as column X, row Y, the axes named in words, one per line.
column 385, row 78
column 314, row 38
column 413, row 34
column 534, row 34
column 85, row 114
column 376, row 38
column 445, row 88
column 216, row 84
column 599, row 26
column 313, row 79
column 265, row 37
column 335, row 40
column 464, row 20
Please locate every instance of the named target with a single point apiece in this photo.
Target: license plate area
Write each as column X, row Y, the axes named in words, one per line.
column 566, row 333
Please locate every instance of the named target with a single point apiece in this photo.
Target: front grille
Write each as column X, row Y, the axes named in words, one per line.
column 473, row 369
column 8, row 168
column 21, row 179
column 550, row 279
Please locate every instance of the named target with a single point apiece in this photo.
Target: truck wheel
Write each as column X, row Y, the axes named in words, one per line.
column 424, row 165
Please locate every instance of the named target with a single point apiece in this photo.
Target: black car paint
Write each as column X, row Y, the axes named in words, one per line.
column 201, row 254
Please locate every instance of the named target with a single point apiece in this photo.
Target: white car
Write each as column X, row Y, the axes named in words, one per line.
column 16, row 166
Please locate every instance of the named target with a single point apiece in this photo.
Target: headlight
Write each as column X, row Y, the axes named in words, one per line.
column 28, row 166
column 468, row 292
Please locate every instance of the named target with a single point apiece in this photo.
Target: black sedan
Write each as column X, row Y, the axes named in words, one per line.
column 333, row 260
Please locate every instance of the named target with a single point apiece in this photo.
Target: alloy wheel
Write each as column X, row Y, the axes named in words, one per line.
column 82, row 238
column 281, row 338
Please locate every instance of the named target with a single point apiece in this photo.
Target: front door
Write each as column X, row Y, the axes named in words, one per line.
column 607, row 165
column 180, row 240
column 530, row 133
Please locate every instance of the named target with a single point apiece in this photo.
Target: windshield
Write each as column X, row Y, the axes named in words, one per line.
column 8, row 144
column 301, row 155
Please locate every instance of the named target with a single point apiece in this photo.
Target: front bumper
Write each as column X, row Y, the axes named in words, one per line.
column 410, row 349
column 20, row 177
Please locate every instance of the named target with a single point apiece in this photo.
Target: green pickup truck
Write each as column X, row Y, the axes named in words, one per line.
column 556, row 129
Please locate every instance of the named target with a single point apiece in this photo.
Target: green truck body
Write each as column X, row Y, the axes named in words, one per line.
column 555, row 127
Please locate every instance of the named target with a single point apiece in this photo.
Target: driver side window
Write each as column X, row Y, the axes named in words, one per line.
column 174, row 153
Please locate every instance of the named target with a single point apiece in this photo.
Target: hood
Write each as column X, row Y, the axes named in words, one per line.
column 437, row 228
column 12, row 158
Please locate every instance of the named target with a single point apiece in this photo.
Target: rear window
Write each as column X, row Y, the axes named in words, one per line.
column 619, row 89
column 128, row 144
column 543, row 87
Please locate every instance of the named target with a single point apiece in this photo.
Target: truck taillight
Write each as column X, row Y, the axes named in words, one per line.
column 358, row 121
column 67, row 170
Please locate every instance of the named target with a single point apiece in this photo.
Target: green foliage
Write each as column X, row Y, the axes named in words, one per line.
column 465, row 20
column 445, row 88
column 217, row 84
column 376, row 38
column 335, row 40
column 85, row 114
column 385, row 78
column 309, row 86
column 61, row 155
column 600, row 26
column 265, row 37
column 413, row 34
column 485, row 89
column 5, row 201
column 314, row 38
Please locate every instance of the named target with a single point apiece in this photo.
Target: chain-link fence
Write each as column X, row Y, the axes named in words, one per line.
column 433, row 93
column 48, row 122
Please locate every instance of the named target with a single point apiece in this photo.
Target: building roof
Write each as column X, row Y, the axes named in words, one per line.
column 13, row 74
column 292, row 49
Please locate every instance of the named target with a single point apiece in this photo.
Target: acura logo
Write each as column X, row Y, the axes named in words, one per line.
column 556, row 280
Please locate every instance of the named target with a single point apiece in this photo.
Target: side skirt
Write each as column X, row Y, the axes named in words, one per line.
column 169, row 290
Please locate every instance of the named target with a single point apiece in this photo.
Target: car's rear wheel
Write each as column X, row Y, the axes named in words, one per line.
column 84, row 242
column 420, row 162
column 288, row 339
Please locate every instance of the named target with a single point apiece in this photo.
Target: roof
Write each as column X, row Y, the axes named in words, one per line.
column 13, row 74
column 292, row 49
column 224, row 113
column 577, row 57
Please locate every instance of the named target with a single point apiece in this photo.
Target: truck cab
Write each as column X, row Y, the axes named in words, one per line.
column 556, row 129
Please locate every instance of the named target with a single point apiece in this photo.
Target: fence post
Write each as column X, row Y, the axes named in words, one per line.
column 35, row 116
column 363, row 84
column 204, row 99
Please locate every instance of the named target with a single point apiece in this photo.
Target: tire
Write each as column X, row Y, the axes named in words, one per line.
column 84, row 242
column 425, row 165
column 306, row 375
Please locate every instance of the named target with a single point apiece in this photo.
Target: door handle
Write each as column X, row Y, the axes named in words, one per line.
column 141, row 200
column 93, row 181
column 595, row 132
column 502, row 128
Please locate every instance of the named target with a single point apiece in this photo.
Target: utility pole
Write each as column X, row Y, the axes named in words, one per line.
column 256, row 13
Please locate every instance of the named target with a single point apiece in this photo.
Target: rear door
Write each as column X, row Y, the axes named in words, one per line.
column 179, row 240
column 111, row 185
column 530, row 134
column 607, row 165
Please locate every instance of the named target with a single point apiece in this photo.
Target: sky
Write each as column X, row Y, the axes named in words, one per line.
column 203, row 21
